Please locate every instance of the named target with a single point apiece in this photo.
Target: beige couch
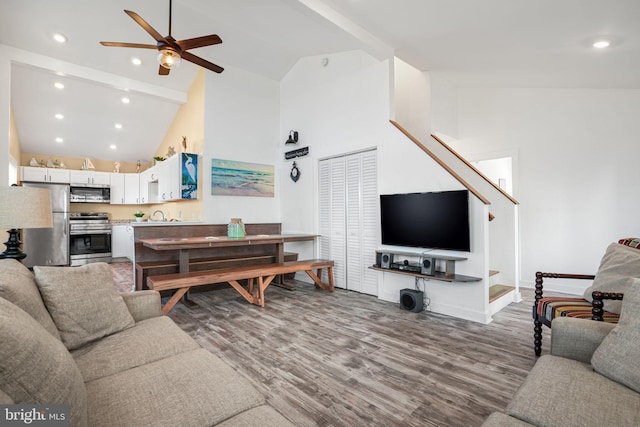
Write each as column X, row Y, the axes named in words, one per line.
column 591, row 377
column 67, row 337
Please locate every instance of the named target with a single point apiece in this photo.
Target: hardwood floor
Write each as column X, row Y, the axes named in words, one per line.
column 347, row 359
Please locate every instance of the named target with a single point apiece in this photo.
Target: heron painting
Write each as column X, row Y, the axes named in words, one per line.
column 189, row 179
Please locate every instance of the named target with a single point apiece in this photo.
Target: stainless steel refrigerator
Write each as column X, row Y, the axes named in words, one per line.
column 49, row 246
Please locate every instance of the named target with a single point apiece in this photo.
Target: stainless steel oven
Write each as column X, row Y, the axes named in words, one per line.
column 89, row 238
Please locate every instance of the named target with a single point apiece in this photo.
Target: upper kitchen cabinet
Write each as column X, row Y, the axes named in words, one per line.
column 117, row 188
column 36, row 174
column 85, row 177
column 125, row 189
column 177, row 178
column 132, row 189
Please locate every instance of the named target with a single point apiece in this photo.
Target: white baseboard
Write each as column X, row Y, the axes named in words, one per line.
column 474, row 316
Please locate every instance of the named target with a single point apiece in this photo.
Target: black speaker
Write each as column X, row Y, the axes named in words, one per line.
column 428, row 266
column 412, row 300
column 386, row 259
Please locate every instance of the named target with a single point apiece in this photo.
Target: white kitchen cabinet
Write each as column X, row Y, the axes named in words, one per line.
column 168, row 181
column 84, row 177
column 125, row 189
column 36, row 174
column 117, row 188
column 178, row 178
column 148, row 187
column 122, row 241
column 131, row 188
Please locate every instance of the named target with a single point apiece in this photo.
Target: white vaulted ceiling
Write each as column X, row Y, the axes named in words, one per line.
column 502, row 43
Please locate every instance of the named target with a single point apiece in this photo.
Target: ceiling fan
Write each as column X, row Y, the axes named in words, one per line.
column 170, row 50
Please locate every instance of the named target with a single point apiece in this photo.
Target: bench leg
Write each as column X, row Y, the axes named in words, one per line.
column 250, row 282
column 242, row 291
column 263, row 282
column 316, row 279
column 330, row 274
column 174, row 299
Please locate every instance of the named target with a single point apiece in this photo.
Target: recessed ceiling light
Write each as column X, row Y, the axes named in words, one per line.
column 60, row 38
column 601, row 44
column 58, row 85
column 118, row 126
column 113, row 146
column 125, row 100
column 59, row 140
column 136, row 61
column 59, row 116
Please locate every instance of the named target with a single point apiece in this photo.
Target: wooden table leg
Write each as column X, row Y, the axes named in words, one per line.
column 280, row 259
column 183, row 267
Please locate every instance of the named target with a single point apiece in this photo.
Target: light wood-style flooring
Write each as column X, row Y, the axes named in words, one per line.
column 347, row 359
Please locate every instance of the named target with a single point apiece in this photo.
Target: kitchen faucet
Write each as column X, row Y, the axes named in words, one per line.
column 161, row 213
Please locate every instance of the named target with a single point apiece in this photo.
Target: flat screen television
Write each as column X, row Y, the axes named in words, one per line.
column 437, row 220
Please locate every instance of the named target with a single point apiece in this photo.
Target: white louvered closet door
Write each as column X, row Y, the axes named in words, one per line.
column 332, row 217
column 349, row 219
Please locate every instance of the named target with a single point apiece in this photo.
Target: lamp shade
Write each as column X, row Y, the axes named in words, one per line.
column 25, row 207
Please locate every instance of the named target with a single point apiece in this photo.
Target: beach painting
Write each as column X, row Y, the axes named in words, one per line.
column 231, row 178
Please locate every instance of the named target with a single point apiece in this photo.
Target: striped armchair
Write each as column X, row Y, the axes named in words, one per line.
column 545, row 309
column 618, row 267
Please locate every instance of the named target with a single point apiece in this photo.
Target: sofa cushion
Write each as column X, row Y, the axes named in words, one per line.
column 264, row 416
column 35, row 367
column 564, row 392
column 83, row 302
column 618, row 357
column 17, row 285
column 619, row 264
column 190, row 389
column 149, row 340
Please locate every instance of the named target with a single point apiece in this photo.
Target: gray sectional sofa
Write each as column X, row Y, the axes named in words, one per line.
column 67, row 337
column 591, row 377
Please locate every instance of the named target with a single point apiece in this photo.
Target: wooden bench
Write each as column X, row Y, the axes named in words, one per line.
column 154, row 268
column 263, row 273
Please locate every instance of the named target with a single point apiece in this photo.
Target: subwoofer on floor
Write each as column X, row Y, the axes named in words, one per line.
column 412, row 300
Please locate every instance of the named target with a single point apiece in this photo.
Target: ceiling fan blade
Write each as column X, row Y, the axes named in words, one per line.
column 202, row 62
column 199, row 42
column 163, row 71
column 136, row 45
column 148, row 28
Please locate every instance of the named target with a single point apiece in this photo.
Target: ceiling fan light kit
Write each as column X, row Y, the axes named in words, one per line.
column 169, row 58
column 171, row 52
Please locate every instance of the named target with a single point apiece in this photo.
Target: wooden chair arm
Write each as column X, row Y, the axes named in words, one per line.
column 540, row 275
column 597, row 304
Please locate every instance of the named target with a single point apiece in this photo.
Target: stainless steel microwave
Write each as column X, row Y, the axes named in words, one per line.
column 90, row 194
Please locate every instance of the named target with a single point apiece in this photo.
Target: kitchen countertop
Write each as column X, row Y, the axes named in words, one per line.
column 151, row 223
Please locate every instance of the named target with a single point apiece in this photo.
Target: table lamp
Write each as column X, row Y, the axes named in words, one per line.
column 23, row 207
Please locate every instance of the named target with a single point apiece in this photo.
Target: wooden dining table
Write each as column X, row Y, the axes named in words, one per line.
column 187, row 245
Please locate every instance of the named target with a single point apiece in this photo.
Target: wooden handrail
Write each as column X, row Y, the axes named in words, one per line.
column 441, row 163
column 462, row 159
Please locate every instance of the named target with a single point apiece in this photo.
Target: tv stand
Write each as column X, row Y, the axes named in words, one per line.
column 404, row 264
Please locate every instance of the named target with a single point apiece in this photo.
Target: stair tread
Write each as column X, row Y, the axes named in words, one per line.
column 497, row 291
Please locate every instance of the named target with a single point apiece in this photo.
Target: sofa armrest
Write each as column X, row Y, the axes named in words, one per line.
column 577, row 339
column 143, row 304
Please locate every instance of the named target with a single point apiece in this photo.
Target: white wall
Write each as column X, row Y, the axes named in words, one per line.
column 5, row 116
column 241, row 123
column 577, row 170
column 411, row 97
column 345, row 107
